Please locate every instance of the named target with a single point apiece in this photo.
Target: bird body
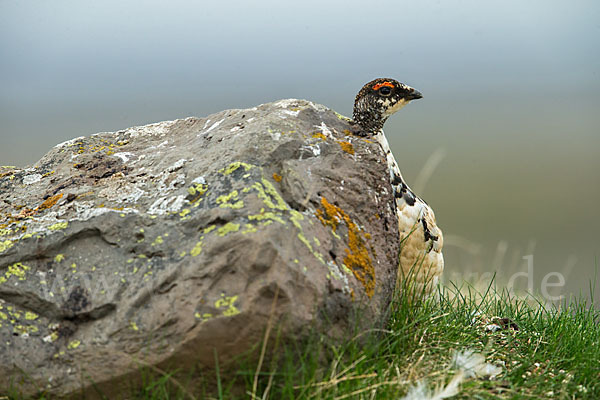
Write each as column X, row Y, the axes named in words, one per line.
column 421, row 260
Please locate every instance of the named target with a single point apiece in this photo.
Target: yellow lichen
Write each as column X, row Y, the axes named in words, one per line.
column 342, row 117
column 229, row 302
column 24, row 329
column 5, row 232
column 304, row 240
column 225, row 200
column 58, row 226
column 198, row 190
column 267, row 216
column 7, row 244
column 295, row 218
column 59, row 257
column 249, row 229
column 228, row 228
column 31, row 316
column 133, row 326
column 357, row 257
column 197, row 249
column 16, row 269
column 73, row 344
column 157, row 241
column 269, row 195
column 203, row 317
column 234, row 166
column 209, row 229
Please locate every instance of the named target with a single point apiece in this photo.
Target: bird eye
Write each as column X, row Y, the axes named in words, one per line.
column 385, row 91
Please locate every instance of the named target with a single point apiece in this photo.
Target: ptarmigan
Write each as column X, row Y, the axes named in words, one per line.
column 421, row 240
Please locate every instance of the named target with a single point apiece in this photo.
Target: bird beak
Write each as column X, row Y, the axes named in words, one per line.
column 414, row 95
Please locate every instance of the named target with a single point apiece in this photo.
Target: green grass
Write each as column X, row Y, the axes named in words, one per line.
column 543, row 351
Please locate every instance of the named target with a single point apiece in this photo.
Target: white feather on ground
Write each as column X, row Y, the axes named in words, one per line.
column 469, row 364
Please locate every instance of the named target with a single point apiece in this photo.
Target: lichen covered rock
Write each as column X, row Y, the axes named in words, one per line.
column 158, row 245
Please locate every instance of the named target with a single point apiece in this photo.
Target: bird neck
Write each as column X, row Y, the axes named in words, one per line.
column 369, row 121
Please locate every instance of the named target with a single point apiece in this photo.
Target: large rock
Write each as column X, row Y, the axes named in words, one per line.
column 157, row 244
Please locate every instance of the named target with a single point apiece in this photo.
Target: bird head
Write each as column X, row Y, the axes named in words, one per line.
column 379, row 99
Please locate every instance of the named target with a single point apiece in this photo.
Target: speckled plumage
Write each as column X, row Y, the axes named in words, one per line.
column 421, row 251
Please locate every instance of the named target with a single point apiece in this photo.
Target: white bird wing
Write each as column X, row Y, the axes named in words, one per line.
column 421, row 257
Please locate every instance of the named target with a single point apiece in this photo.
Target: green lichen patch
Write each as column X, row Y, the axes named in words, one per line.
column 73, row 344
column 249, row 229
column 17, row 270
column 276, row 210
column 7, row 244
column 224, row 306
column 342, row 117
column 197, row 189
column 204, row 316
column 197, row 249
column 228, row 228
column 209, row 229
column 269, row 195
column 234, row 166
column 228, row 304
column 230, row 200
column 195, row 193
column 31, row 316
column 277, row 217
column 158, row 241
column 59, row 226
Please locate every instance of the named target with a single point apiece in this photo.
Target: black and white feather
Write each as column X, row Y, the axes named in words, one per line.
column 421, row 252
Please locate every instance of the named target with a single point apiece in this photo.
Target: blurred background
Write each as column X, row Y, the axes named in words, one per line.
column 505, row 144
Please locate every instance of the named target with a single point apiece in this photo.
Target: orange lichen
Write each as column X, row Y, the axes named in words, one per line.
column 277, row 177
column 357, row 257
column 329, row 216
column 347, row 147
column 319, row 135
column 49, row 202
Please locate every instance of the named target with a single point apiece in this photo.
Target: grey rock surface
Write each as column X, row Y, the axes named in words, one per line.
column 157, row 244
